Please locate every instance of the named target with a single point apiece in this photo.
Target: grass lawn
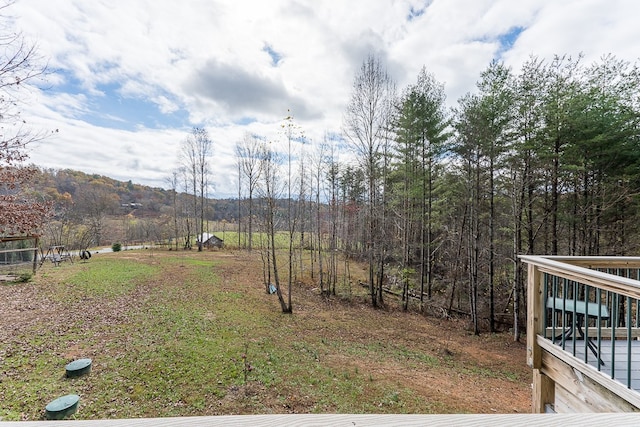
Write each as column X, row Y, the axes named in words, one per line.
column 188, row 333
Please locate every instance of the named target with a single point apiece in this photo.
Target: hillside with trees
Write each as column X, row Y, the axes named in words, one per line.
column 93, row 210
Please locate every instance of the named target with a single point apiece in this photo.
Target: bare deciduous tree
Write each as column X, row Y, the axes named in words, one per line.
column 196, row 150
column 272, row 191
column 19, row 64
column 366, row 124
column 248, row 155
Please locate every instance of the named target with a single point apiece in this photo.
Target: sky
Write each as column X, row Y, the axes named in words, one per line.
column 127, row 80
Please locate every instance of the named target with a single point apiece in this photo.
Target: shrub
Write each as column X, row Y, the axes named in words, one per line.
column 116, row 247
column 24, row 277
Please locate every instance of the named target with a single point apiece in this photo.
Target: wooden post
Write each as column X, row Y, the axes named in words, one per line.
column 35, row 256
column 543, row 392
column 535, row 307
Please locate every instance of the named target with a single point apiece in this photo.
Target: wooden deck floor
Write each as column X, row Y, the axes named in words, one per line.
column 614, row 354
column 346, row 420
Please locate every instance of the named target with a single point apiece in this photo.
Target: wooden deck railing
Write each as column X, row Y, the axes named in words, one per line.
column 582, row 333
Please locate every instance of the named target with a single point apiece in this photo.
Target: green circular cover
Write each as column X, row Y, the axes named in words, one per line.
column 62, row 406
column 78, row 367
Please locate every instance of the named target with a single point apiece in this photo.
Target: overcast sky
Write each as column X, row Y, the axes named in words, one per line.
column 129, row 79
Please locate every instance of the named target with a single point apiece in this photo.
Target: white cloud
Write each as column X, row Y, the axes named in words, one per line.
column 207, row 59
column 166, row 106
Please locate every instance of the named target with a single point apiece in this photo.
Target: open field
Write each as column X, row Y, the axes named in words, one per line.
column 187, row 333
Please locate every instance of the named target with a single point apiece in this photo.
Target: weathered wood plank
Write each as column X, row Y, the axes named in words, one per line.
column 6, row 251
column 567, row 403
column 604, row 380
column 543, row 392
column 583, row 394
column 535, row 309
column 471, row 420
column 599, row 261
column 620, row 373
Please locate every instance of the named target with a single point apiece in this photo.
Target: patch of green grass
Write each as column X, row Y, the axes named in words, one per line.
column 392, row 351
column 259, row 239
column 488, row 372
column 106, row 278
column 403, row 353
column 196, row 262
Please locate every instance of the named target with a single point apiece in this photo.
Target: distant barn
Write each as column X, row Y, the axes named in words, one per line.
column 210, row 241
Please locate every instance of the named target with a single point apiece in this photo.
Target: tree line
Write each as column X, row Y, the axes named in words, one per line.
column 439, row 202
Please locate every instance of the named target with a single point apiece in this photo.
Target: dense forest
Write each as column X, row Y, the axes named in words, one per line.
column 437, row 202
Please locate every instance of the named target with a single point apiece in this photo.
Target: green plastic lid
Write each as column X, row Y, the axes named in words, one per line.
column 78, row 367
column 62, row 407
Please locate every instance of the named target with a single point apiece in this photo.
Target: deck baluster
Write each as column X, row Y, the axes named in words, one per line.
column 599, row 324
column 574, row 317
column 587, row 292
column 614, row 321
column 545, row 292
column 628, row 342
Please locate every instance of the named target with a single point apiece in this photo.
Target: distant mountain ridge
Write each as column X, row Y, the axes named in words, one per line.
column 67, row 185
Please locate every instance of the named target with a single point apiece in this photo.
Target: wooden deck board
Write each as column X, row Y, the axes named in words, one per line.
column 530, row 420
